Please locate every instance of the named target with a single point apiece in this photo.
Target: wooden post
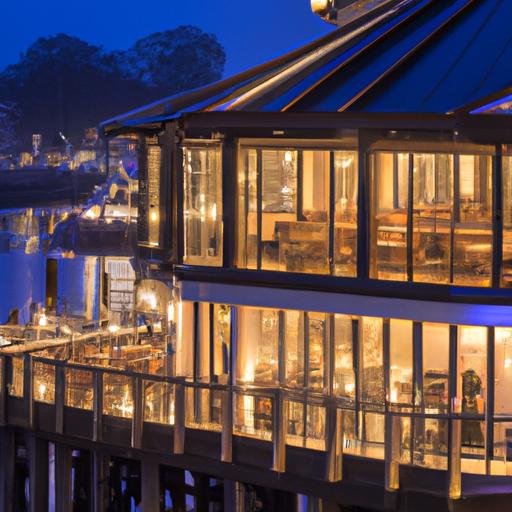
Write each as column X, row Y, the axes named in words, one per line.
column 150, row 485
column 334, row 470
column 227, row 427
column 97, row 406
column 279, row 422
column 179, row 419
column 37, row 451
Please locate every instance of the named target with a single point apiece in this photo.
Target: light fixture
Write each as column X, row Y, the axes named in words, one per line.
column 113, row 328
column 43, row 320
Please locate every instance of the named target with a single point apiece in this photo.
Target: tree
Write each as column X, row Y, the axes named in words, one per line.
column 175, row 60
column 7, row 127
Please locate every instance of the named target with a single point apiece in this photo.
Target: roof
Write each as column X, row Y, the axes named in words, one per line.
column 434, row 56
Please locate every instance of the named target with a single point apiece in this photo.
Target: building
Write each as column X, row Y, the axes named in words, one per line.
column 325, row 252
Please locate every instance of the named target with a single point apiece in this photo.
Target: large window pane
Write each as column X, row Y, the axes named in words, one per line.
column 371, row 361
column 294, row 349
column 400, row 377
column 345, row 213
column 471, row 373
column 432, row 217
column 317, row 342
column 436, row 363
column 344, row 379
column 257, row 353
column 388, row 214
column 507, row 221
column 503, row 371
column 203, row 205
column 473, row 228
column 221, row 342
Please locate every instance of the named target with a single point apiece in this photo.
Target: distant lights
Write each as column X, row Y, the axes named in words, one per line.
column 288, row 157
column 113, row 328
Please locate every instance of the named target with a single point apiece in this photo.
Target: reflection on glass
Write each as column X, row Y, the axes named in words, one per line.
column 344, row 377
column 306, row 425
column 203, row 205
column 294, row 349
column 431, row 443
column 388, row 213
column 316, row 343
column 44, row 382
column 221, row 342
column 15, row 386
column 502, row 449
column 117, row 395
column 473, row 227
column 400, row 373
column 203, row 409
column 253, row 416
column 371, row 361
column 436, row 355
column 345, row 213
column 471, row 373
column 503, row 371
column 432, row 217
column 158, row 402
column 257, row 346
column 79, row 389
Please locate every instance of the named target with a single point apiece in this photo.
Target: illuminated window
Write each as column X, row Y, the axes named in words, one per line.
column 203, row 205
column 400, row 372
column 371, row 361
column 344, row 378
column 507, row 221
column 503, row 371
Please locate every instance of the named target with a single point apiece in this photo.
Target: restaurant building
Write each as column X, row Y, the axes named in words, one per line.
column 325, row 243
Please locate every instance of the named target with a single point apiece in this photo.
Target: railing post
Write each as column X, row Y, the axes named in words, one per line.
column 179, row 418
column 279, row 422
column 97, row 406
column 334, row 440
column 227, row 427
column 392, row 453
column 3, row 391
column 60, row 393
column 138, row 412
column 454, row 463
column 28, row 389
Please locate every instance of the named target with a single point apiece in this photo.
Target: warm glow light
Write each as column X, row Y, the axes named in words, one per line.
column 349, row 388
column 508, row 363
column 346, row 163
column 319, row 6
column 42, row 390
column 214, row 212
column 43, row 321
column 394, row 395
column 249, row 372
column 154, row 216
column 113, row 328
column 288, row 158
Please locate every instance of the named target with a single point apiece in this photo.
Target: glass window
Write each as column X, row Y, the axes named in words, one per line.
column 507, row 221
column 257, row 354
column 185, row 342
column 388, row 214
column 436, row 364
column 503, row 371
column 247, row 222
column 432, row 217
column 203, row 205
column 431, row 443
column 472, row 263
column 316, row 356
column 344, row 378
column 371, row 361
column 294, row 349
column 306, row 425
column 202, row 356
column 253, row 416
column 221, row 343
column 471, row 371
column 345, row 213
column 400, row 359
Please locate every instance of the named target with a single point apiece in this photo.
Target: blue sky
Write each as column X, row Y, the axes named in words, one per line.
column 250, row 31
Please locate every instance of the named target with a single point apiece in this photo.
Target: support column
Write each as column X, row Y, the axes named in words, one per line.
column 63, row 466
column 7, row 468
column 150, row 485
column 230, row 494
column 37, row 453
column 100, row 481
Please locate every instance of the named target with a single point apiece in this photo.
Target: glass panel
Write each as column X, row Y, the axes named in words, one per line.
column 15, row 387
column 436, row 356
column 400, row 378
column 295, row 432
column 344, row 377
column 203, row 409
column 185, row 335
column 202, row 357
column 294, row 349
column 253, row 416
column 247, row 243
column 473, row 446
column 507, row 221
column 221, row 342
column 502, row 449
column 345, row 213
column 371, row 360
column 503, row 371
column 117, row 395
column 471, row 370
column 305, row 430
column 431, row 443
column 405, row 440
column 257, row 346
column 371, row 435
column 388, row 214
column 279, row 204
column 158, row 402
column 203, row 205
column 317, row 344
column 315, row 427
column 44, row 382
column 79, row 389
column 472, row 263
column 432, row 217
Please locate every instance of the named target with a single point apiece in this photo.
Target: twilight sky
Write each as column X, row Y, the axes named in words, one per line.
column 250, row 31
